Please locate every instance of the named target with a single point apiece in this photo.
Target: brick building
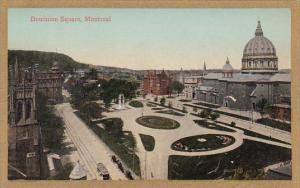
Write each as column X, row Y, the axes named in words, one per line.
column 282, row 109
column 156, row 83
column 50, row 83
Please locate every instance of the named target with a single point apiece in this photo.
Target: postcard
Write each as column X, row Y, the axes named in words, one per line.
column 136, row 94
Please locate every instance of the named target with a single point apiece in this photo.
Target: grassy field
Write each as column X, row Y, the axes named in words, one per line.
column 204, row 142
column 157, row 122
column 250, row 157
column 171, row 112
column 148, row 142
column 207, row 125
column 275, row 124
column 136, row 104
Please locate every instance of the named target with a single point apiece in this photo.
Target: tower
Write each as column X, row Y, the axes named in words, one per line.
column 24, row 140
column 204, row 69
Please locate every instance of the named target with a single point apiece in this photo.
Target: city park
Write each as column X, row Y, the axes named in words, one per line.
column 168, row 137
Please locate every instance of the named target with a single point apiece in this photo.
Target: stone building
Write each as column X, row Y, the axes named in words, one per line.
column 24, row 134
column 50, row 83
column 259, row 78
column 156, row 83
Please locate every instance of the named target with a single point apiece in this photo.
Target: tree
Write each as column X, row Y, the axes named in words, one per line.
column 90, row 110
column 114, row 126
column 184, row 109
column 195, row 109
column 107, row 102
column 261, row 105
column 232, row 124
column 204, row 114
column 214, row 116
column 170, row 104
column 114, row 87
column 177, row 87
column 163, row 101
column 51, row 125
column 155, row 99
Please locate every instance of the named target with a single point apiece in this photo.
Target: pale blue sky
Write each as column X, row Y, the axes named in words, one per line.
column 152, row 38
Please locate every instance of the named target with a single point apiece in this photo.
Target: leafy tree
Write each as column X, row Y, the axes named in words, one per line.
column 155, row 98
column 232, row 124
column 195, row 109
column 204, row 114
column 163, row 101
column 262, row 104
column 114, row 126
column 90, row 110
column 92, row 74
column 170, row 104
column 176, row 87
column 214, row 116
column 51, row 125
column 184, row 109
column 112, row 88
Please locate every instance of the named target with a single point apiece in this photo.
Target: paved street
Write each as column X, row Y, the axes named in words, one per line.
column 90, row 148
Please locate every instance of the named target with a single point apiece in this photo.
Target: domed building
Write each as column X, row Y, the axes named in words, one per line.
column 227, row 70
column 259, row 54
column 258, row 78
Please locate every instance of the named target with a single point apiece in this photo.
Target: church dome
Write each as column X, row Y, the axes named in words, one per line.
column 259, row 45
column 227, row 67
column 259, row 55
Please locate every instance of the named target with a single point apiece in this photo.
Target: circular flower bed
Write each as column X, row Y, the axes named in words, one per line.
column 157, row 122
column 205, row 142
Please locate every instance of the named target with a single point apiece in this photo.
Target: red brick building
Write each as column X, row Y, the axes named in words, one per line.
column 282, row 109
column 156, row 83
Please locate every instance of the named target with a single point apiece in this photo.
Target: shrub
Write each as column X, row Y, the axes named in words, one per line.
column 214, row 116
column 204, row 113
column 232, row 124
column 163, row 101
column 136, row 104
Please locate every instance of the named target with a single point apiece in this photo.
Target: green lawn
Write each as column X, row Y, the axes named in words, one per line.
column 148, row 142
column 171, row 112
column 157, row 122
column 150, row 105
column 205, row 124
column 136, row 104
column 201, row 143
column 275, row 124
column 250, row 157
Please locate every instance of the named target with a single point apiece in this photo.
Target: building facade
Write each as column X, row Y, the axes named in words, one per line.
column 24, row 134
column 50, row 83
column 259, row 78
column 156, row 83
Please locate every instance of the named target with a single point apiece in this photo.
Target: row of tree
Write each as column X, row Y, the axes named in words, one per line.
column 51, row 125
column 111, row 89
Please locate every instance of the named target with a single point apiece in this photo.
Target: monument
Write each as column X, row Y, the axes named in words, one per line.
column 121, row 102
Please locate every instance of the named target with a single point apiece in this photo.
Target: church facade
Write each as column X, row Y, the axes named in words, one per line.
column 24, row 134
column 259, row 78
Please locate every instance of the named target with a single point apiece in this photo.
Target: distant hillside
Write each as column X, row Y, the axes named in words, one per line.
column 44, row 59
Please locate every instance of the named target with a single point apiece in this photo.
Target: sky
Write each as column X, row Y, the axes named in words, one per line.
column 151, row 38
